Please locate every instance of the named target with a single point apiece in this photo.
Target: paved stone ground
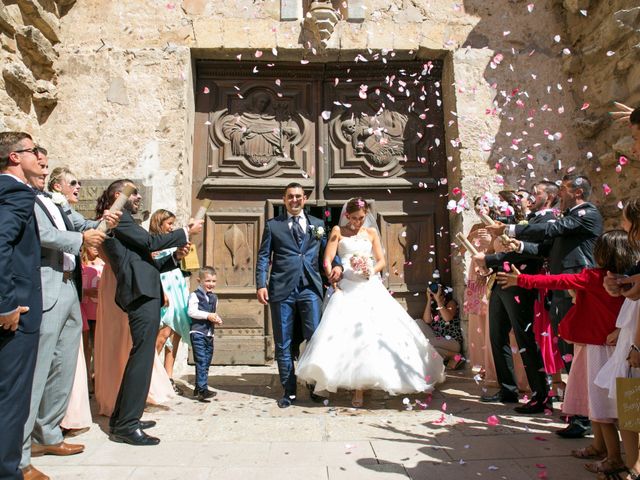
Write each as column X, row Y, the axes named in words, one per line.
column 242, row 434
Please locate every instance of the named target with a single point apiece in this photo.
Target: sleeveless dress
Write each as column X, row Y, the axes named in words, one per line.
column 366, row 339
column 175, row 288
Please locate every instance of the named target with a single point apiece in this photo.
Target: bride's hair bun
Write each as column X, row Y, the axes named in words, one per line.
column 355, row 204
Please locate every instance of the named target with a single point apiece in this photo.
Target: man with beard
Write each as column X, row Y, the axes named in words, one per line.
column 139, row 294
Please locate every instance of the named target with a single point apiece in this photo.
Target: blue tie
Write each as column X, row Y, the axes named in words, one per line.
column 298, row 234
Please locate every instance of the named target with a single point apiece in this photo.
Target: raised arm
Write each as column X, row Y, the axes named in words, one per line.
column 55, row 239
column 129, row 232
column 563, row 281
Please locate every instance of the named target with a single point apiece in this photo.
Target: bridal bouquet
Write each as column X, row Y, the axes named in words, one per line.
column 361, row 264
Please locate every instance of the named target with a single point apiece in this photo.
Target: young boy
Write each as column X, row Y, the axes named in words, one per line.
column 202, row 311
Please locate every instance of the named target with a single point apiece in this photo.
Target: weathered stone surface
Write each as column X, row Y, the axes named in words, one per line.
column 6, row 22
column 46, row 94
column 47, row 22
column 589, row 126
column 33, row 44
column 118, row 92
column 574, row 6
column 19, row 75
column 194, row 7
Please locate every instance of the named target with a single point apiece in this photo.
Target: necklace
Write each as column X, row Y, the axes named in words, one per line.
column 352, row 227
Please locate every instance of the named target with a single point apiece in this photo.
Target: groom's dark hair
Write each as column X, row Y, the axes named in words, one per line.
column 293, row 185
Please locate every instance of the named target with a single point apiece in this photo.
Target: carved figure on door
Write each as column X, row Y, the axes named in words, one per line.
column 258, row 134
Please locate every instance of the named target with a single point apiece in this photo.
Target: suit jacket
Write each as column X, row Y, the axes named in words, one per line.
column 289, row 262
column 19, row 261
column 128, row 251
column 55, row 243
column 574, row 237
column 533, row 254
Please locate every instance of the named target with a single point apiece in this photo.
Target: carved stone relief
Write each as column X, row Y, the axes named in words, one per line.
column 262, row 133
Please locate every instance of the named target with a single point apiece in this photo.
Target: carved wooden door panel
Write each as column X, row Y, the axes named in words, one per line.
column 339, row 130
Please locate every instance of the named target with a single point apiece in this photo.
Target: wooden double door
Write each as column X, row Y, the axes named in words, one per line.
column 340, row 130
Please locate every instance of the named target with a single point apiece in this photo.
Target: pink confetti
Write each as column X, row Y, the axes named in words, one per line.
column 610, row 53
column 205, row 90
column 456, row 191
column 444, row 407
column 567, row 357
column 530, row 7
column 543, row 474
column 584, row 106
column 606, row 188
column 506, row 267
column 258, row 53
column 304, row 62
column 623, row 160
column 493, row 421
column 516, row 298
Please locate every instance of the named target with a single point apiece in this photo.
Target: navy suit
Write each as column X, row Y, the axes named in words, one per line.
column 573, row 238
column 294, row 285
column 139, row 293
column 19, row 286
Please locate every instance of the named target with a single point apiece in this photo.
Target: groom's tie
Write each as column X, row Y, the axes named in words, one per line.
column 298, row 234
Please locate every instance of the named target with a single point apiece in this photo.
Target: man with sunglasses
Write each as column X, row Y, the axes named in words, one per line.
column 62, row 234
column 20, row 294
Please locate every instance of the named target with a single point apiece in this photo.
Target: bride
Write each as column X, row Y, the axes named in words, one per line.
column 366, row 340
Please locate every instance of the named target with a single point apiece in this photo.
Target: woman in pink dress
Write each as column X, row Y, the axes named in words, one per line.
column 111, row 351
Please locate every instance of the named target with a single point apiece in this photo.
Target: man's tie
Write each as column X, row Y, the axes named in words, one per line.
column 298, row 234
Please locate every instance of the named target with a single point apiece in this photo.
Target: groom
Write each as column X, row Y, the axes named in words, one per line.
column 293, row 243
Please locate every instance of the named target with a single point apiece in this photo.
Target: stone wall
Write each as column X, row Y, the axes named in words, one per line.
column 604, row 61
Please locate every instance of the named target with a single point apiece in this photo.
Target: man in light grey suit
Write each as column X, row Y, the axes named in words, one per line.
column 62, row 234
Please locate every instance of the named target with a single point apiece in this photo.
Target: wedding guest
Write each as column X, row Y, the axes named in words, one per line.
column 625, row 360
column 440, row 323
column 574, row 237
column 591, row 321
column 139, row 293
column 20, row 297
column 513, row 310
column 111, row 351
column 62, row 233
column 92, row 266
column 174, row 321
column 476, row 303
column 203, row 303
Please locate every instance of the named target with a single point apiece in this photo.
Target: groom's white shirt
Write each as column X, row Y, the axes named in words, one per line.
column 302, row 221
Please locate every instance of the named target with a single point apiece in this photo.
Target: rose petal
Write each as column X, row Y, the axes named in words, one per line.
column 492, row 420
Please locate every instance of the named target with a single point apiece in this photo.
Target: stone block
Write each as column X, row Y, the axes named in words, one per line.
column 33, row 44
column 118, row 92
column 44, row 21
column 406, row 36
column 194, row 7
column 355, row 10
column 6, row 22
column 235, row 33
column 355, row 37
column 8, row 43
column 432, row 36
column 290, row 10
column 19, row 75
column 379, row 35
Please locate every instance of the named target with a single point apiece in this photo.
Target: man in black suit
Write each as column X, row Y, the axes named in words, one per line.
column 574, row 236
column 512, row 309
column 20, row 295
column 139, row 293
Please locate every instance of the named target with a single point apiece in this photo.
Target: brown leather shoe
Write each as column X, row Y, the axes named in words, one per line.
column 60, row 449
column 32, row 473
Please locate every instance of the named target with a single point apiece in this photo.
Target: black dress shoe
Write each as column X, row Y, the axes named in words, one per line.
column 574, row 430
column 534, row 406
column 501, row 396
column 286, row 401
column 137, row 437
column 144, row 424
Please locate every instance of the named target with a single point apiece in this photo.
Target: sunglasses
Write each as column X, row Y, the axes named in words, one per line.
column 34, row 150
column 73, row 183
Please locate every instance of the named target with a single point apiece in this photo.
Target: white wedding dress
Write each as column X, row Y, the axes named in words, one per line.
column 366, row 340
